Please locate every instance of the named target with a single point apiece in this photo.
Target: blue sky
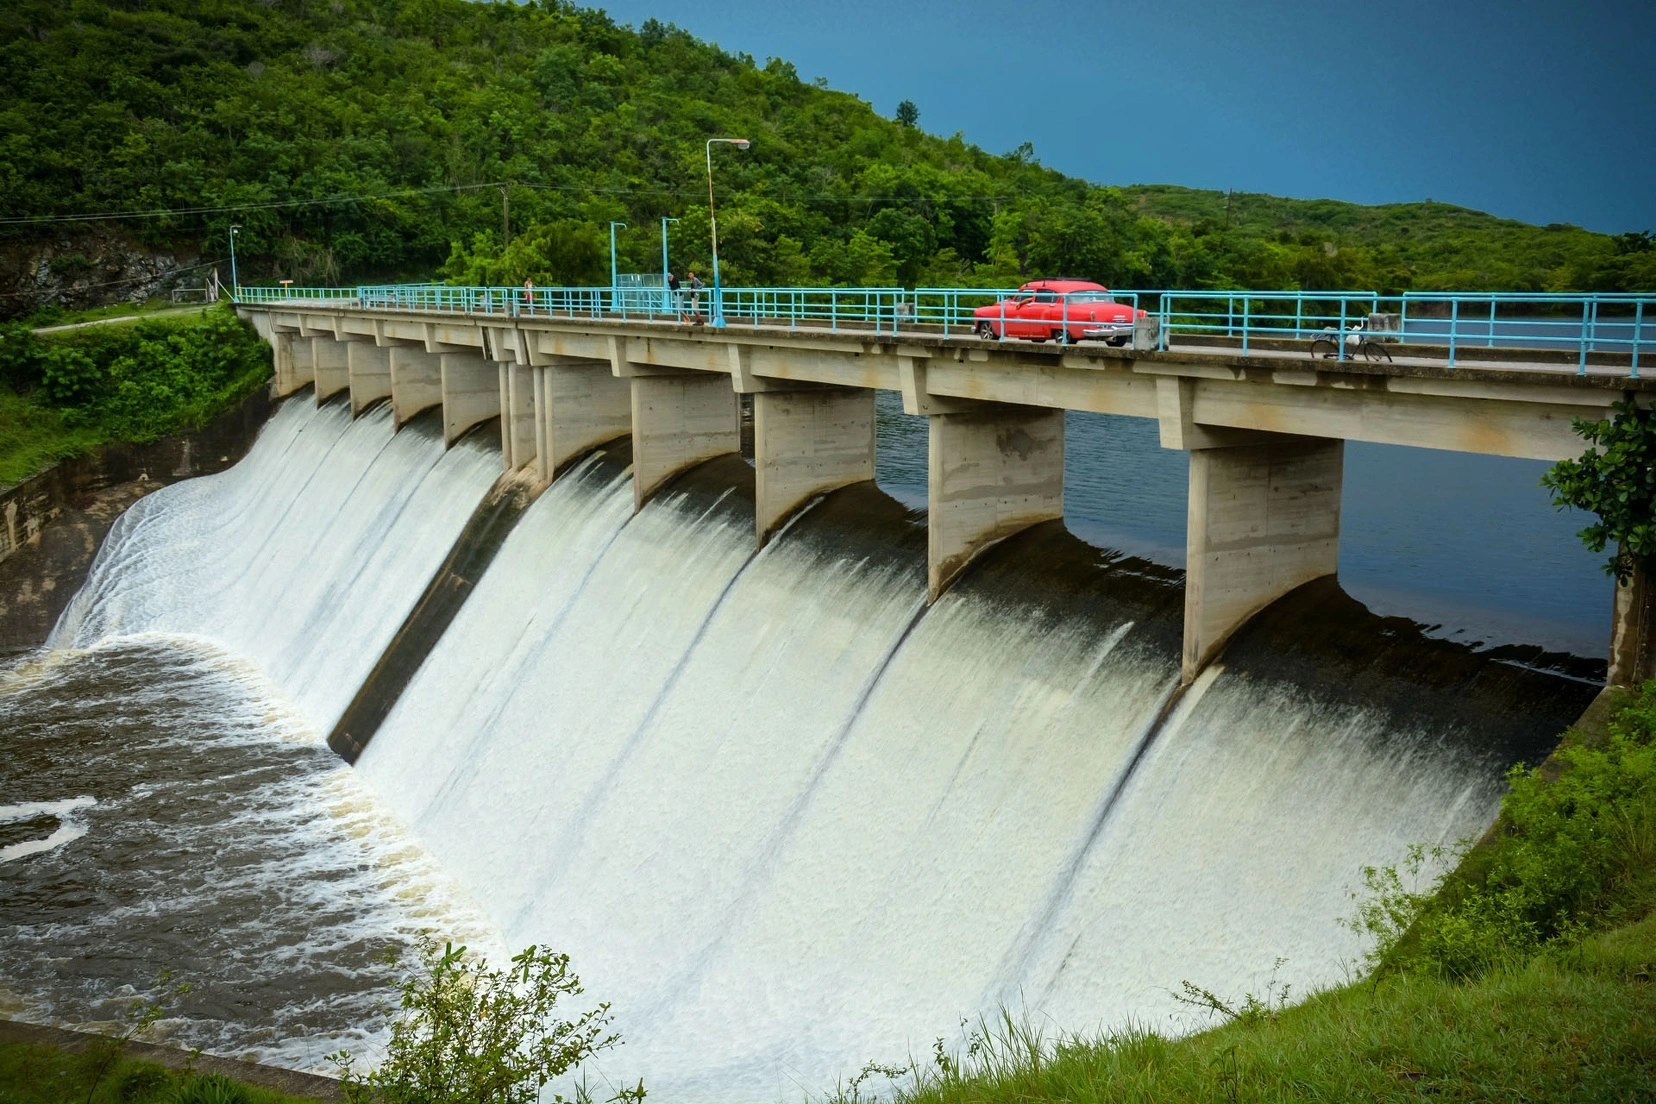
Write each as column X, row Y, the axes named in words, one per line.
column 1541, row 112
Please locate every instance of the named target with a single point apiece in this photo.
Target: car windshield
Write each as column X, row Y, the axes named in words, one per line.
column 1090, row 297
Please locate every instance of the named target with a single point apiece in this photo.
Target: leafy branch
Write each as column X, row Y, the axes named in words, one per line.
column 1615, row 479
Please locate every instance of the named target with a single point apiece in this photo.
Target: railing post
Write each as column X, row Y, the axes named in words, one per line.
column 1491, row 322
column 1638, row 324
column 1340, row 345
column 1299, row 315
column 1581, row 363
column 1245, row 305
column 1454, row 324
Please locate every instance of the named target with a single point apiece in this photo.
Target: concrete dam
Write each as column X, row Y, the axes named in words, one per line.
column 794, row 788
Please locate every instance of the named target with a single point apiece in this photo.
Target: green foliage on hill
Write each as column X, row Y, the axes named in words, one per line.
column 64, row 393
column 168, row 104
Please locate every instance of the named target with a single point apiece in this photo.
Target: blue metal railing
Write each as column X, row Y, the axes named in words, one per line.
column 1602, row 329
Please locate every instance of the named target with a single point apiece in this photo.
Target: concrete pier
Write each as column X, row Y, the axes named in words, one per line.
column 678, row 421
column 293, row 362
column 518, row 419
column 579, row 405
column 416, row 382
column 332, row 369
column 471, row 393
column 370, row 372
column 805, row 443
column 993, row 470
column 1264, row 518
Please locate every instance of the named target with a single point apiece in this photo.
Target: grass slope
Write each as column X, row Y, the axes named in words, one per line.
column 46, row 1075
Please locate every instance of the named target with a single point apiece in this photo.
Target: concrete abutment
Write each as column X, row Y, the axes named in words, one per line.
column 805, row 443
column 1264, row 518
column 993, row 470
column 518, row 417
column 678, row 421
column 416, row 382
column 331, row 367
column 471, row 393
column 370, row 374
column 579, row 404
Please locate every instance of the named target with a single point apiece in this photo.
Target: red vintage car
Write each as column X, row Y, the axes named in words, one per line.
column 1064, row 311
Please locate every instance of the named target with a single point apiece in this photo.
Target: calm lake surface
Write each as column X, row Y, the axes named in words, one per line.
column 1468, row 543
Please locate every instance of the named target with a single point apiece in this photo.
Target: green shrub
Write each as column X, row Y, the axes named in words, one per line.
column 210, row 1088
column 1573, row 853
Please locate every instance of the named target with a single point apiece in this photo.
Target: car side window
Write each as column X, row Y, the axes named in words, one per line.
column 1046, row 295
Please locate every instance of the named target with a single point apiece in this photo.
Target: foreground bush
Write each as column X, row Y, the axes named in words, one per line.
column 468, row 1034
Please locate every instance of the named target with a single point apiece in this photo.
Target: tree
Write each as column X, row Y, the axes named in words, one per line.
column 471, row 1035
column 907, row 113
column 1616, row 480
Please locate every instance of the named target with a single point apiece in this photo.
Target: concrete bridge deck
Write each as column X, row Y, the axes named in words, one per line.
column 1265, row 429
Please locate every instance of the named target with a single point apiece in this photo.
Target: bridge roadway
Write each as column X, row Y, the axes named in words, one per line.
column 1265, row 431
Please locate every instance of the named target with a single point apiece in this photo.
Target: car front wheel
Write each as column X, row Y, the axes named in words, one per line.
column 986, row 331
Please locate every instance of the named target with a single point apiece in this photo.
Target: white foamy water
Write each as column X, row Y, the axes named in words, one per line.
column 787, row 821
column 69, row 826
column 783, row 817
column 305, row 557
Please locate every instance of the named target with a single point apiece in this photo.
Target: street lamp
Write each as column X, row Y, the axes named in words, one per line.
column 666, row 293
column 613, row 279
column 713, row 222
column 235, row 285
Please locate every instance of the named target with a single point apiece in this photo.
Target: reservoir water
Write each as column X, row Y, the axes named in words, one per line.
column 783, row 816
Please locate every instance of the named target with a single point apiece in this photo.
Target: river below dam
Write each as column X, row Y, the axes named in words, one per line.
column 784, row 817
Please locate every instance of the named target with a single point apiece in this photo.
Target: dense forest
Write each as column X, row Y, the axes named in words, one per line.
column 361, row 140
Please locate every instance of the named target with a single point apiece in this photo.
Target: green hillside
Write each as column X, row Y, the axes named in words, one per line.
column 362, row 139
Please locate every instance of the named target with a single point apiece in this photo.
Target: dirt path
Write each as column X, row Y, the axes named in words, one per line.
column 122, row 318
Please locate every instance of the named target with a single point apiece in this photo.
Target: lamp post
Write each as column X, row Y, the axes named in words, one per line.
column 713, row 222
column 666, row 293
column 613, row 279
column 235, row 285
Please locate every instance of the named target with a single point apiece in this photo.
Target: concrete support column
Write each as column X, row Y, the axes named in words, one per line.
column 370, row 372
column 416, row 382
column 1264, row 518
column 579, row 405
column 292, row 361
column 1632, row 656
column 807, row 442
column 331, row 367
column 517, row 416
column 678, row 421
column 991, row 472
column 471, row 393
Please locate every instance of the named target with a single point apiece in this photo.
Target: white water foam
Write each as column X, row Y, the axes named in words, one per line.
column 788, row 822
column 69, row 827
column 305, row 557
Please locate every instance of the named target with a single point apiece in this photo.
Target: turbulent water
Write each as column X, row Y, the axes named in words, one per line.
column 785, row 818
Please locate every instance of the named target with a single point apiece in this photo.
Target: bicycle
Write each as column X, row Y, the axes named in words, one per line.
column 1358, row 343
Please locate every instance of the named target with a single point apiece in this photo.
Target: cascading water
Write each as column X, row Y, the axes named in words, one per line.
column 788, row 820
column 305, row 557
column 167, row 802
column 784, row 817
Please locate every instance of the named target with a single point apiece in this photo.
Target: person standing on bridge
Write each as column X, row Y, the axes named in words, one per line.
column 529, row 294
column 675, row 296
column 695, row 298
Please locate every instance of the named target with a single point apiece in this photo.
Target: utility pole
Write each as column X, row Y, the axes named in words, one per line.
column 235, row 284
column 505, row 218
column 666, row 295
column 1227, row 208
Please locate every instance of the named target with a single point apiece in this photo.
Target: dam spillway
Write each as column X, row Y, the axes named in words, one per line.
column 784, row 816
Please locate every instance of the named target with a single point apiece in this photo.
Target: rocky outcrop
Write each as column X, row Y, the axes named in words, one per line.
column 89, row 270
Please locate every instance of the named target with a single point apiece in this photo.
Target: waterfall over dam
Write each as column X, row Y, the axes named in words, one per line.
column 785, row 817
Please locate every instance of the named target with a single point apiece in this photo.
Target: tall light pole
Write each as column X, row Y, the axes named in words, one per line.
column 666, row 293
column 235, row 285
column 613, row 279
column 713, row 221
